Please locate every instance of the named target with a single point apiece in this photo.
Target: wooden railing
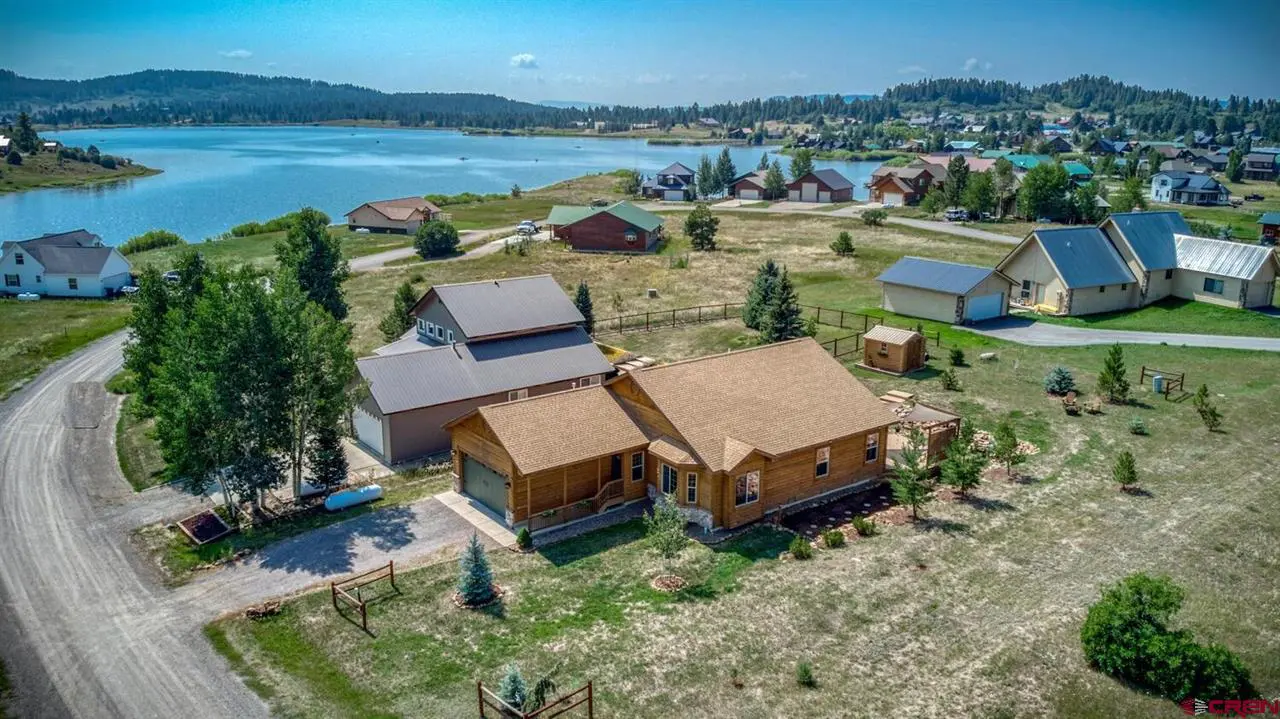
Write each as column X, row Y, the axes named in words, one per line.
column 583, row 696
column 608, row 494
column 342, row 590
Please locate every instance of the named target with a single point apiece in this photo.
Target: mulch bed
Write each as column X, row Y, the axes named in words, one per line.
column 839, row 513
column 498, row 594
column 668, row 583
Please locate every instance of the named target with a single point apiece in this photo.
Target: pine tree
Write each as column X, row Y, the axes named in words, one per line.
column 843, row 244
column 1125, row 470
column 399, row 319
column 1235, row 165
column 1005, row 450
column 582, row 300
column 725, row 171
column 910, row 483
column 775, row 184
column 957, row 180
column 962, row 466
column 1208, row 412
column 513, row 689
column 475, row 578
column 706, row 178
column 761, row 294
column 783, row 319
column 325, row 457
column 763, row 165
column 701, row 226
column 25, row 138
column 1111, row 380
column 1059, row 381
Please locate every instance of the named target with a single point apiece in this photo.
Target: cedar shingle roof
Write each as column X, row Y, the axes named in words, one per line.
column 553, row 430
column 776, row 399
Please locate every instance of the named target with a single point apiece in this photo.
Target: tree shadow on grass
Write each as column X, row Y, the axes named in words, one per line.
column 946, row 526
column 1137, row 492
column 732, row 557
column 988, row 504
column 601, row 540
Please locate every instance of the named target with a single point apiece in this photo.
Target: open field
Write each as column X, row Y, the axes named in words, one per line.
column 973, row 612
column 260, row 250
column 1177, row 315
column 43, row 169
column 34, row 334
column 534, row 204
column 745, row 241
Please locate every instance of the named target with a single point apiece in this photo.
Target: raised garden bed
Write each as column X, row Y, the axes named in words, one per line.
column 204, row 527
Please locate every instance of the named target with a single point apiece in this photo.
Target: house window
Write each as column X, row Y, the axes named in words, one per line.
column 747, row 489
column 591, row 381
column 422, row 327
column 439, row 332
column 12, row 281
column 1026, row 289
column 1124, row 286
column 884, row 349
column 873, row 448
column 691, row 488
column 18, row 258
column 822, row 466
column 431, row 328
column 516, row 394
column 670, row 479
column 637, row 466
column 39, row 279
column 73, row 283
column 629, row 236
column 1168, row 274
column 450, row 333
column 1212, row 285
column 1102, row 288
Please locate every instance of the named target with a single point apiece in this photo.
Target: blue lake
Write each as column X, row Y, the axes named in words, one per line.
column 217, row 177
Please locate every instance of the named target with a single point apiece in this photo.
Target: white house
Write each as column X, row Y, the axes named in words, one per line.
column 68, row 264
column 1186, row 188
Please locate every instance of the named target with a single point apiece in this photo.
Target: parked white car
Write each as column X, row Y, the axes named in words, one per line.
column 527, row 227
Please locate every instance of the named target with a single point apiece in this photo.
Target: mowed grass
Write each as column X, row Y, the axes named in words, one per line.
column 136, row 448
column 1178, row 315
column 619, row 283
column 35, row 334
column 973, row 612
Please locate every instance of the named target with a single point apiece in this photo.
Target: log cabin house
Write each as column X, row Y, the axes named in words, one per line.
column 731, row 437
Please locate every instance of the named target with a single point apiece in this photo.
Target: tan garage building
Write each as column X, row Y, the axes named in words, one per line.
column 944, row 291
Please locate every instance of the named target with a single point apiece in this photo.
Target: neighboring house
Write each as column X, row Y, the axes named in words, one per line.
column 1260, row 166
column 1208, row 160
column 1185, row 166
column 5, row 144
column 731, row 438
column 962, row 146
column 820, row 186
column 1057, row 144
column 400, row 216
column 50, row 145
column 620, row 227
column 1103, row 146
column 1022, row 163
column 905, row 185
column 1187, row 188
column 995, row 154
column 750, row 186
column 1078, row 171
column 67, row 264
column 1133, row 259
column 475, row 343
column 1270, row 227
column 973, row 162
column 944, row 291
column 674, row 183
column 1054, row 129
column 913, row 145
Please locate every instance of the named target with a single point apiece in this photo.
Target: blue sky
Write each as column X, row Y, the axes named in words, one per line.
column 658, row 52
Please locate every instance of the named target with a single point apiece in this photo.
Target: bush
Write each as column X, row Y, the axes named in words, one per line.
column 957, row 357
column 1059, row 381
column 843, row 245
column 149, row 240
column 13, row 158
column 865, row 527
column 524, row 540
column 1208, row 411
column 950, row 381
column 435, row 239
column 833, row 538
column 804, row 675
column 800, row 548
column 1138, row 427
column 874, row 217
column 278, row 224
column 107, row 162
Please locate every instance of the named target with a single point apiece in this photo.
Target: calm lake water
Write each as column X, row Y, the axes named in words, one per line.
column 217, row 177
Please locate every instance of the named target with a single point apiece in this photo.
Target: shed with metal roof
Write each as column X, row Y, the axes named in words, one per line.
column 893, row 350
column 944, row 291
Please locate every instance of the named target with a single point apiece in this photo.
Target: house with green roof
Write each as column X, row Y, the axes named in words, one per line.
column 1078, row 171
column 620, row 227
column 1026, row 162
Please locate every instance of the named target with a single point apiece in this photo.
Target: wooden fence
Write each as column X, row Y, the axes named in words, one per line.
column 862, row 323
column 342, row 590
column 662, row 319
column 583, row 696
column 841, row 346
column 1173, row 381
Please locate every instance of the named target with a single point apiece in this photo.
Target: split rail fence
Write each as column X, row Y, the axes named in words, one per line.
column 582, row 696
column 348, row 590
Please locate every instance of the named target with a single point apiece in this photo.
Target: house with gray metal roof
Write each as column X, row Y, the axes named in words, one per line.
column 944, row 291
column 66, row 264
column 1133, row 259
column 1187, row 188
column 474, row 344
column 820, row 186
column 673, row 182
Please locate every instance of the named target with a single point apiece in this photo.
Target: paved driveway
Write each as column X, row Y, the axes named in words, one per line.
column 1045, row 334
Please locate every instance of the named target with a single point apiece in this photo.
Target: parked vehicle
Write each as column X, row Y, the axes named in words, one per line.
column 599, row 202
column 527, row 227
column 129, row 289
column 955, row 215
column 1253, row 198
column 171, row 276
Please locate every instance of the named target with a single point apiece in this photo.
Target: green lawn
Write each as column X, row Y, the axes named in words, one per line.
column 890, row 624
column 34, row 334
column 1177, row 315
column 261, row 249
column 44, row 169
column 136, row 447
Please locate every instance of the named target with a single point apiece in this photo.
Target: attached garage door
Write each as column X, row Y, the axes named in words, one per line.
column 673, row 195
column 892, row 198
column 984, row 307
column 368, row 429
column 749, row 195
column 484, row 485
column 824, row 196
column 793, row 195
column 809, row 192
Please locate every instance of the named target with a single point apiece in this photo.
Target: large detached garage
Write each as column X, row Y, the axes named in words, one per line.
column 944, row 291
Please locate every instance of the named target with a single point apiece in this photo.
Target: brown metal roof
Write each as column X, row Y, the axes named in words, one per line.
column 401, row 208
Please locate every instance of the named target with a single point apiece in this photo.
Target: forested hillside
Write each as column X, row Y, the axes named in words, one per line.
column 167, row 96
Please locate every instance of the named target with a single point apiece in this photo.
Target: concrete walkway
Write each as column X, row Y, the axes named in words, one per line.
column 478, row 516
column 1045, row 334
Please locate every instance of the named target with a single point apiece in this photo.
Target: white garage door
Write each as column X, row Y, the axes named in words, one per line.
column 749, row 195
column 824, row 197
column 985, row 307
column 809, row 192
column 673, row 195
column 368, row 429
column 892, row 198
column 793, row 195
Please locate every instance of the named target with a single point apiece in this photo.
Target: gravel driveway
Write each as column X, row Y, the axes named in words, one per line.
column 88, row 630
column 1045, row 334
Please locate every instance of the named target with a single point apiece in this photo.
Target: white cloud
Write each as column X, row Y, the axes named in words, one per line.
column 987, row 66
column 912, row 70
column 971, row 64
column 524, row 61
column 649, row 78
column 795, row 75
column 240, row 54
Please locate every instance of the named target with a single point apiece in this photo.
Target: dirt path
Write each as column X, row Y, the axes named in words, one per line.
column 379, row 260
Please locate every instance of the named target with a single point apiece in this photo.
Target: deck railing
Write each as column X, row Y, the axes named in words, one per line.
column 608, row 494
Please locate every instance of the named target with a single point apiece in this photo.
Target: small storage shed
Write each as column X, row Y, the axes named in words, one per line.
column 892, row 350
